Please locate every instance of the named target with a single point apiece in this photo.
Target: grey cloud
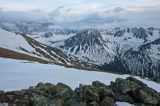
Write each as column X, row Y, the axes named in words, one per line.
column 1, row 9
column 118, row 9
column 114, row 10
column 117, row 15
column 93, row 21
column 60, row 8
column 12, row 16
column 96, row 19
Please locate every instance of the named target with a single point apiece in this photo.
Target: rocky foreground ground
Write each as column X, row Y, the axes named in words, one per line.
column 128, row 90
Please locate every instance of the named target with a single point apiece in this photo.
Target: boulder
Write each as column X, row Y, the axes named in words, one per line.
column 86, row 93
column 123, row 86
column 122, row 90
column 147, row 98
column 107, row 102
column 54, row 91
column 134, row 91
column 74, row 102
column 39, row 100
column 98, row 84
column 136, row 81
column 105, row 92
column 93, row 103
column 63, row 91
column 98, row 94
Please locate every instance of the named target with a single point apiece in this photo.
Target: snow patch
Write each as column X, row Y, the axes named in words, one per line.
column 19, row 74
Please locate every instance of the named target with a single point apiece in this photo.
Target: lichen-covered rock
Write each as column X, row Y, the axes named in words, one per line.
column 98, row 94
column 147, row 98
column 107, row 102
column 86, row 93
column 121, row 89
column 134, row 91
column 105, row 92
column 93, row 103
column 74, row 102
column 124, row 86
column 64, row 91
column 39, row 100
column 54, row 91
column 136, row 81
column 98, row 84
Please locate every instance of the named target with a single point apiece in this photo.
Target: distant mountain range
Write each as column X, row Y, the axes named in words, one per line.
column 131, row 50
column 124, row 50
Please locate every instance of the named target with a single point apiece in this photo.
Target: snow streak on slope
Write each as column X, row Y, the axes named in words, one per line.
column 16, row 75
column 14, row 42
column 129, row 50
column 20, row 43
column 88, row 46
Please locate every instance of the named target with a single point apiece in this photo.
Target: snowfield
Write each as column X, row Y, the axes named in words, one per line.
column 123, row 104
column 13, row 42
column 20, row 74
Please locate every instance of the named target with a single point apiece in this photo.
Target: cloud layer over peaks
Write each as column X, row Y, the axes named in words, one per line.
column 83, row 13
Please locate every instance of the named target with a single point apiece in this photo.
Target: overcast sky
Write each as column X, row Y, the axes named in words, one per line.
column 124, row 12
column 48, row 5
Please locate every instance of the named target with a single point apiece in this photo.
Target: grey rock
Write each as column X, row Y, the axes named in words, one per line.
column 74, row 102
column 98, row 84
column 93, row 103
column 105, row 92
column 86, row 93
column 147, row 98
column 134, row 91
column 107, row 102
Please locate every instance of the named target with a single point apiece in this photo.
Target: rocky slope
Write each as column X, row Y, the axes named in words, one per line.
column 98, row 94
column 124, row 50
column 19, row 46
column 88, row 46
column 128, row 50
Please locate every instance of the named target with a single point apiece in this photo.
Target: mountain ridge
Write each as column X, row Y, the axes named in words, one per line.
column 123, row 50
column 23, row 47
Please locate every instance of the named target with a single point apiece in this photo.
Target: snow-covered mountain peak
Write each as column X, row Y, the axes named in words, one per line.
column 128, row 50
column 87, row 45
column 132, row 50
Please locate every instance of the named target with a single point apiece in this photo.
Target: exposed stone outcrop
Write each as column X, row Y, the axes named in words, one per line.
column 98, row 94
column 134, row 91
